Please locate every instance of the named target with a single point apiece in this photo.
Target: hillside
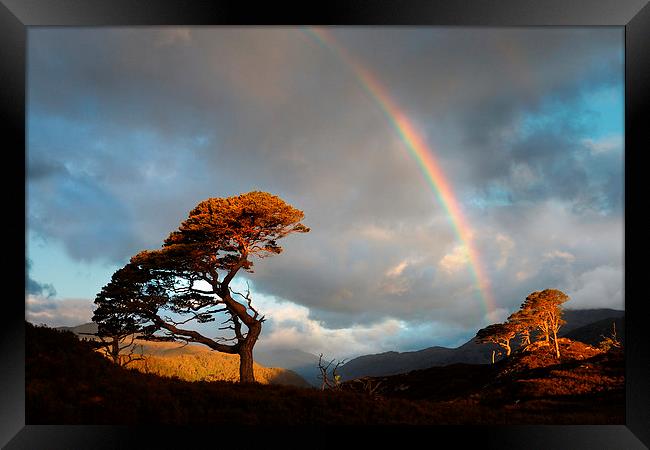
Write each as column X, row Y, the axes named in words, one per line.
column 194, row 362
column 199, row 363
column 472, row 352
column 586, row 386
column 577, row 318
column 593, row 333
column 67, row 382
column 303, row 363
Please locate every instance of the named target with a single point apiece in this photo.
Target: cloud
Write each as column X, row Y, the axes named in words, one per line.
column 83, row 214
column 290, row 324
column 601, row 287
column 397, row 270
column 604, row 145
column 395, row 281
column 557, row 254
column 33, row 287
column 57, row 312
column 506, row 246
column 523, row 275
column 455, row 261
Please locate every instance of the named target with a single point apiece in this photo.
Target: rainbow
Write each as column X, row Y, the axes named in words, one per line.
column 423, row 155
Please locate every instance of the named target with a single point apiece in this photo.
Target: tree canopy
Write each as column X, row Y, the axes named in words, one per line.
column 544, row 307
column 498, row 333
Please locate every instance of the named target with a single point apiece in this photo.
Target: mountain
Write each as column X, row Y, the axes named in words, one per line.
column 593, row 333
column 472, row 352
column 576, row 318
column 392, row 363
column 86, row 328
column 303, row 363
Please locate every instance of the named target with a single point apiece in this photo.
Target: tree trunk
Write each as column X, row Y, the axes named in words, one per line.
column 508, row 349
column 557, row 347
column 246, row 374
column 493, row 352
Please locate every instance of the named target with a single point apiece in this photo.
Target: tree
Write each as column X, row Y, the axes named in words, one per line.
column 333, row 382
column 190, row 275
column 523, row 322
column 116, row 324
column 498, row 333
column 546, row 313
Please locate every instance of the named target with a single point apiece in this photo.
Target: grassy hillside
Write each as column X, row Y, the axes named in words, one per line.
column 199, row 363
column 192, row 362
column 67, row 382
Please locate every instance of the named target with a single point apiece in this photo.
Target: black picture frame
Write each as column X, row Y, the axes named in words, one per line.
column 634, row 15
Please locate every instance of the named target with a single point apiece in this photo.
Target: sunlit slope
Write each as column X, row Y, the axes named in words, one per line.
column 192, row 362
column 199, row 363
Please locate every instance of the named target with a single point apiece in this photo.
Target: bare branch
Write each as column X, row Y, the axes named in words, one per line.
column 247, row 297
column 335, row 381
column 129, row 344
column 194, row 336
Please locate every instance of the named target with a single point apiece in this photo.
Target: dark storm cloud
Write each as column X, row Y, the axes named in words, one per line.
column 91, row 223
column 33, row 287
column 470, row 86
column 130, row 128
column 45, row 168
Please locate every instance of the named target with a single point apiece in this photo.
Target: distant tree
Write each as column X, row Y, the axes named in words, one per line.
column 523, row 323
column 498, row 333
column 190, row 275
column 544, row 307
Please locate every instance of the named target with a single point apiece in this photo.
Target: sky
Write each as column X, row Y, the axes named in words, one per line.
column 129, row 128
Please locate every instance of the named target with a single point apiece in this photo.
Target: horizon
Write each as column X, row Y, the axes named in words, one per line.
column 129, row 128
column 347, row 358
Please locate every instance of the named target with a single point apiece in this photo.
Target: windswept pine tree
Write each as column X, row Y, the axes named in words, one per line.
column 523, row 322
column 498, row 333
column 544, row 307
column 189, row 279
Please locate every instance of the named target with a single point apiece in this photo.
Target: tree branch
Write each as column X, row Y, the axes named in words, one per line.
column 194, row 336
column 248, row 298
